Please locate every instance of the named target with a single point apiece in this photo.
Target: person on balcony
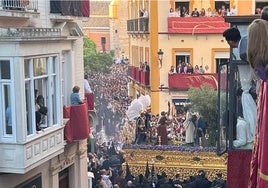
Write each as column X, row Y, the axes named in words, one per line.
column 184, row 12
column 146, row 67
column 171, row 13
column 40, row 117
column 86, row 85
column 195, row 13
column 75, row 98
column 172, row 70
column 177, row 12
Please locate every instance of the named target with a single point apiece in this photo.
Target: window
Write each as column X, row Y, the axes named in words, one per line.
column 184, row 7
column 182, row 58
column 222, row 4
column 259, row 4
column 41, row 89
column 7, row 106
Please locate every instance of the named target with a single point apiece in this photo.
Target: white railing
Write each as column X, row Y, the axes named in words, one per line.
column 29, row 32
column 20, row 5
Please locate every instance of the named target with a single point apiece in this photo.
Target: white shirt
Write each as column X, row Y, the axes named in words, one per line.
column 87, row 86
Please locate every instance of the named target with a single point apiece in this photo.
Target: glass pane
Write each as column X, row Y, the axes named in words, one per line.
column 5, row 69
column 54, row 63
column 54, row 101
column 29, row 112
column 8, row 118
column 26, row 68
column 40, row 67
column 223, row 107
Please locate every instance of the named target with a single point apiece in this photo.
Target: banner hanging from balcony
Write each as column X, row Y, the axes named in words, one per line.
column 186, row 81
column 197, row 25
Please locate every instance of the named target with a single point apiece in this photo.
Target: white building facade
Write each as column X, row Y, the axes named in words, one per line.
column 41, row 53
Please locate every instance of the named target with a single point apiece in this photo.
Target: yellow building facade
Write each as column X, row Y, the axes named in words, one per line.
column 198, row 48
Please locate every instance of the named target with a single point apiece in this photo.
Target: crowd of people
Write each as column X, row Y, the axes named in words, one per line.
column 187, row 68
column 114, row 130
column 106, row 165
column 183, row 12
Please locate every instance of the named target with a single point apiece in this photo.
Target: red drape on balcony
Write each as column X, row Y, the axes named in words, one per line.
column 144, row 77
column 77, row 128
column 238, row 168
column 185, row 81
column 85, row 8
column 90, row 100
column 194, row 25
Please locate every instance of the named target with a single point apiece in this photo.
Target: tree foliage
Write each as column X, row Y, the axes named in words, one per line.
column 204, row 101
column 93, row 61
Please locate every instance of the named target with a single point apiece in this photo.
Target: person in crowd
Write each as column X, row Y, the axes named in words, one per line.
column 172, row 70
column 86, row 85
column 177, row 12
column 171, row 13
column 145, row 13
column 179, row 68
column 232, row 11
column 106, row 177
column 40, row 117
column 141, row 67
column 184, row 12
column 195, row 13
column 200, row 132
column 189, row 127
column 75, row 98
column 209, row 12
column 141, row 128
column 39, row 102
column 201, row 70
column 219, row 182
column 202, row 12
column 146, row 67
column 190, row 68
column 264, row 13
column 162, row 129
column 177, row 183
column 258, row 59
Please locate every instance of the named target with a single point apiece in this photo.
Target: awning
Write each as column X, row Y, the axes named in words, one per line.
column 180, row 100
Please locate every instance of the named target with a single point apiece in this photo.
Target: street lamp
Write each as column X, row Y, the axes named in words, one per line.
column 160, row 56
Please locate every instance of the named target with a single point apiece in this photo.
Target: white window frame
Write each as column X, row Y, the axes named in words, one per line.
column 51, row 88
column 3, row 136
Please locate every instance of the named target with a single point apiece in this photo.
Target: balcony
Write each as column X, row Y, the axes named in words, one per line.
column 138, row 26
column 29, row 33
column 139, row 76
column 66, row 10
column 197, row 25
column 18, row 8
column 20, row 158
column 186, row 81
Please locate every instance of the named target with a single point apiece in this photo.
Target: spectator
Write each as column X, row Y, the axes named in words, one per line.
column 75, row 98
column 195, row 13
column 171, row 13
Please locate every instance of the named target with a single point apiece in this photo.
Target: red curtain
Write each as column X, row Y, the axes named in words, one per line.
column 238, row 168
column 90, row 100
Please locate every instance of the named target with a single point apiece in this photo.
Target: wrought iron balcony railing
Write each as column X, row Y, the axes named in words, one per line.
column 140, row 25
